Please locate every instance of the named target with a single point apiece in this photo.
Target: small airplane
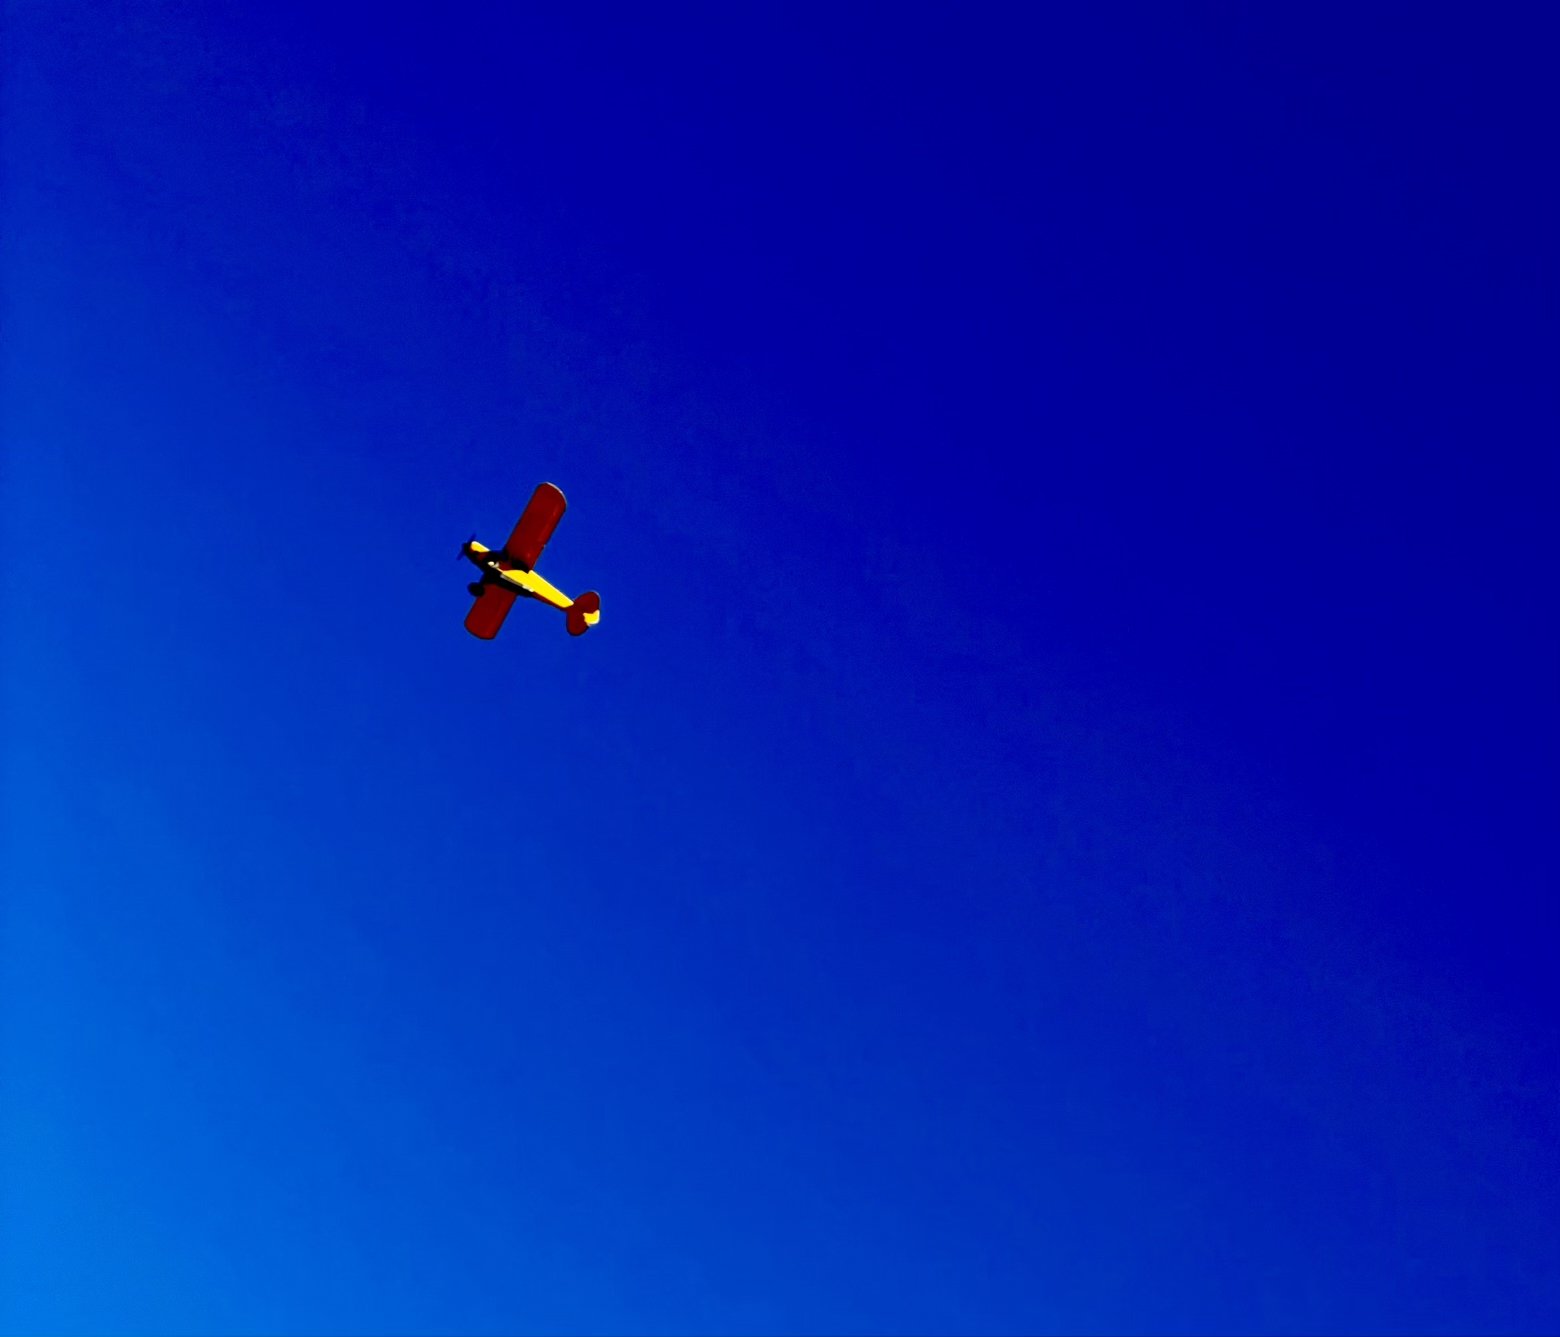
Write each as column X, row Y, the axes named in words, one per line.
column 508, row 573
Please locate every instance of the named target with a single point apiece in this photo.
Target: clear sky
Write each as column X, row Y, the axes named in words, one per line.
column 1055, row 831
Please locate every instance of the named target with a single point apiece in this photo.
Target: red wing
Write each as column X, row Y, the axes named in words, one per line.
column 488, row 613
column 541, row 517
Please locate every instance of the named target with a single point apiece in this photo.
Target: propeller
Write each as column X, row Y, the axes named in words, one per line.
column 461, row 555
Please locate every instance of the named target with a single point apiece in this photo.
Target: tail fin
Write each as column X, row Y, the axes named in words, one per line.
column 584, row 613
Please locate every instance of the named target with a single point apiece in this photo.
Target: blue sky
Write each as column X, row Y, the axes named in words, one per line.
column 1055, row 829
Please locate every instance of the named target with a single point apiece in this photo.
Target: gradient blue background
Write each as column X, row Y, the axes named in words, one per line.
column 1055, row 831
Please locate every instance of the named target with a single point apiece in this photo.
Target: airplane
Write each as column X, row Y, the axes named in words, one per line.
column 508, row 573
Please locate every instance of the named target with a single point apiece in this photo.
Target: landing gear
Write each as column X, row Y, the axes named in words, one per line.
column 475, row 589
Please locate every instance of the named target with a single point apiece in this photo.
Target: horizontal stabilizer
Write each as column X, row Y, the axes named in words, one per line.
column 584, row 613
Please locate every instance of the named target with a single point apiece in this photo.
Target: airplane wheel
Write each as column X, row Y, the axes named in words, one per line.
column 475, row 588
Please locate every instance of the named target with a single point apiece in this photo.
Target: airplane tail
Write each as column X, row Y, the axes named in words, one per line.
column 584, row 613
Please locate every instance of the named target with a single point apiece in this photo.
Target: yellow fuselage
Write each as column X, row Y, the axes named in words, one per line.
column 522, row 582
